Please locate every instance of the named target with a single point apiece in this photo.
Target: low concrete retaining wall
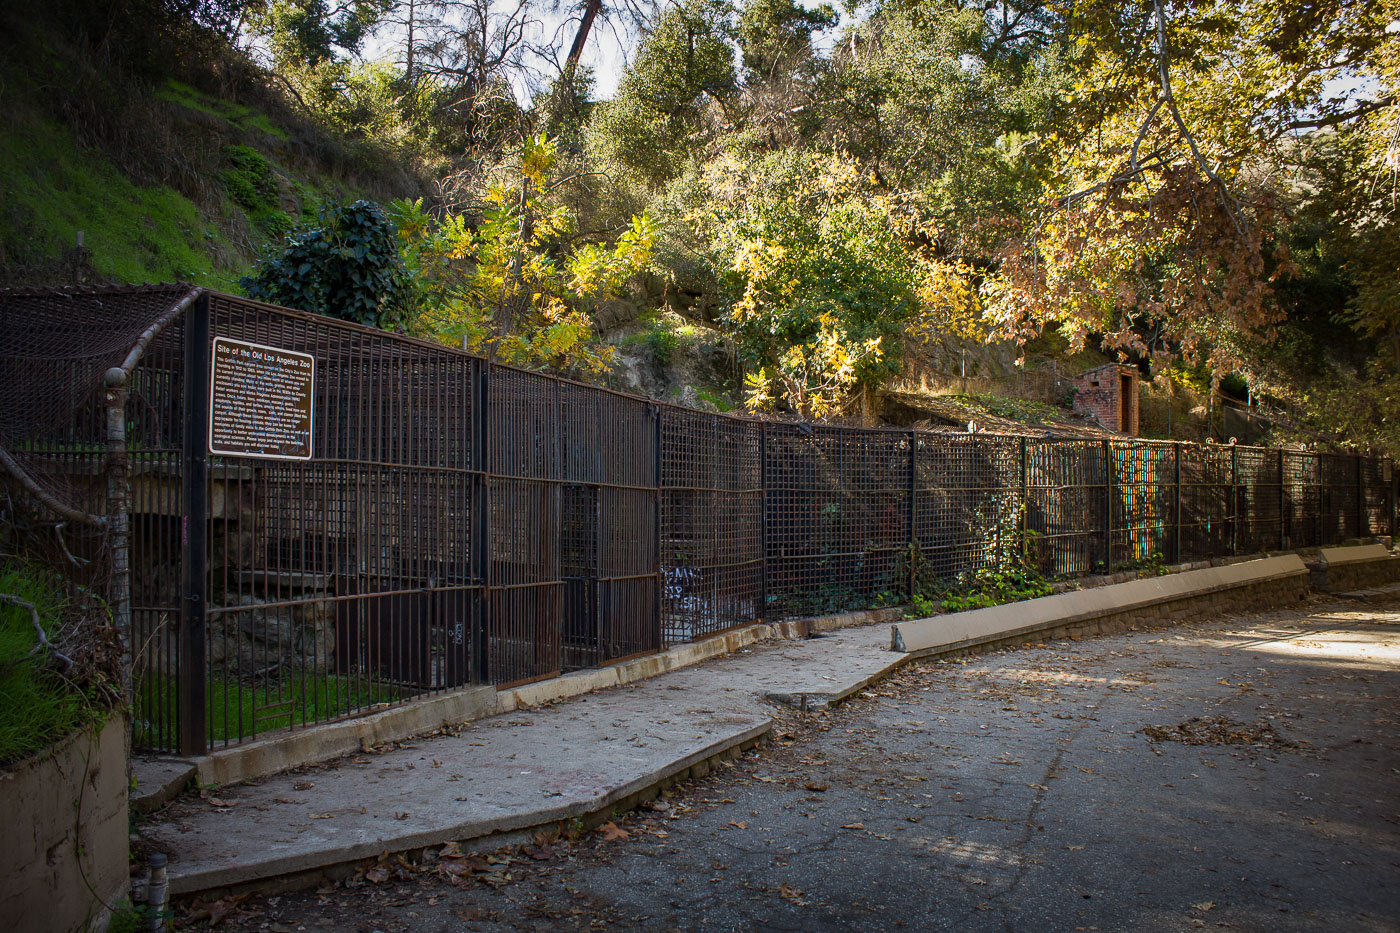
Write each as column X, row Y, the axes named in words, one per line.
column 63, row 839
column 1341, row 569
column 1249, row 585
column 321, row 743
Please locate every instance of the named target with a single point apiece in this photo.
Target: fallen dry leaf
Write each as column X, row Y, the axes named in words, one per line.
column 612, row 832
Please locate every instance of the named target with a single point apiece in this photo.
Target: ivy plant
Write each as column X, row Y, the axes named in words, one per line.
column 348, row 266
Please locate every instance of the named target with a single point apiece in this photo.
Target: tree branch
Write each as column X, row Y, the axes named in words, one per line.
column 38, row 631
column 1336, row 119
column 1231, row 206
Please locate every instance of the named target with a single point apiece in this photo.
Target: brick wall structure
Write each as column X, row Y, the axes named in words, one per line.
column 1110, row 394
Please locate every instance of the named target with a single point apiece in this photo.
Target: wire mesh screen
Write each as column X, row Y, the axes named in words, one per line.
column 57, row 346
column 1066, row 501
column 526, row 599
column 1143, row 522
column 155, row 439
column 837, row 517
column 344, row 582
column 1376, row 476
column 1301, row 499
column 464, row 523
column 967, row 504
column 1259, row 499
column 1341, row 506
column 609, row 452
column 711, row 523
column 1207, row 501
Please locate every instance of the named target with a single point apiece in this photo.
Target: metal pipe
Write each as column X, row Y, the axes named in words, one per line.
column 119, row 519
column 157, row 894
column 138, row 349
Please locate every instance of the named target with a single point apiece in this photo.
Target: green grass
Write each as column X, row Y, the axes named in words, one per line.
column 721, row 403
column 1013, row 409
column 238, row 711
column 37, row 705
column 237, row 115
column 51, row 189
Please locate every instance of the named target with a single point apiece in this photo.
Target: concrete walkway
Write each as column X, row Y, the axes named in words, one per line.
column 512, row 772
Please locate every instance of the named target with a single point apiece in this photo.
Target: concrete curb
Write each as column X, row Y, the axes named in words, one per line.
column 1335, row 556
column 197, row 882
column 1350, row 569
column 321, row 743
column 925, row 637
column 807, row 701
column 159, row 781
column 1376, row 592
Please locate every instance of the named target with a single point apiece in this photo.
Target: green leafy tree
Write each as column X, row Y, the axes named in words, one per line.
column 1161, row 211
column 775, row 37
column 827, row 276
column 308, row 33
column 684, row 66
column 347, row 267
column 514, row 286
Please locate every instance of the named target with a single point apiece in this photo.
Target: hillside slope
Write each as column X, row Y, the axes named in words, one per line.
column 187, row 173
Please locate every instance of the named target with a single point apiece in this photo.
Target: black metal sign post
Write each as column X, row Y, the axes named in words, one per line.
column 194, row 494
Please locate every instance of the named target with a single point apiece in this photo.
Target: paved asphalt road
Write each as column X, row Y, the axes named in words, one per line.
column 1232, row 775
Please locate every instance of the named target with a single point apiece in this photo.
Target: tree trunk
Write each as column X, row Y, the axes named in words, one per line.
column 408, row 62
column 590, row 12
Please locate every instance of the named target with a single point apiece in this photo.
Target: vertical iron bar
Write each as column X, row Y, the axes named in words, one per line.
column 912, row 546
column 657, row 414
column 1282, row 499
column 1177, row 446
column 1362, row 527
column 1025, row 522
column 194, row 494
column 1394, row 513
column 118, row 517
column 763, row 518
column 1107, row 507
column 481, row 524
column 1234, row 500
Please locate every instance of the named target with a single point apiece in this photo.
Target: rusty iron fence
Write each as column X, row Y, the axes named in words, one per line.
column 460, row 523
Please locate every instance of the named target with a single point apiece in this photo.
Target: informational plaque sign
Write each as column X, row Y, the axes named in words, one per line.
column 260, row 401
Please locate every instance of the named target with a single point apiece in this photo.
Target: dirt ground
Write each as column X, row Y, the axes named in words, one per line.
column 1239, row 774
